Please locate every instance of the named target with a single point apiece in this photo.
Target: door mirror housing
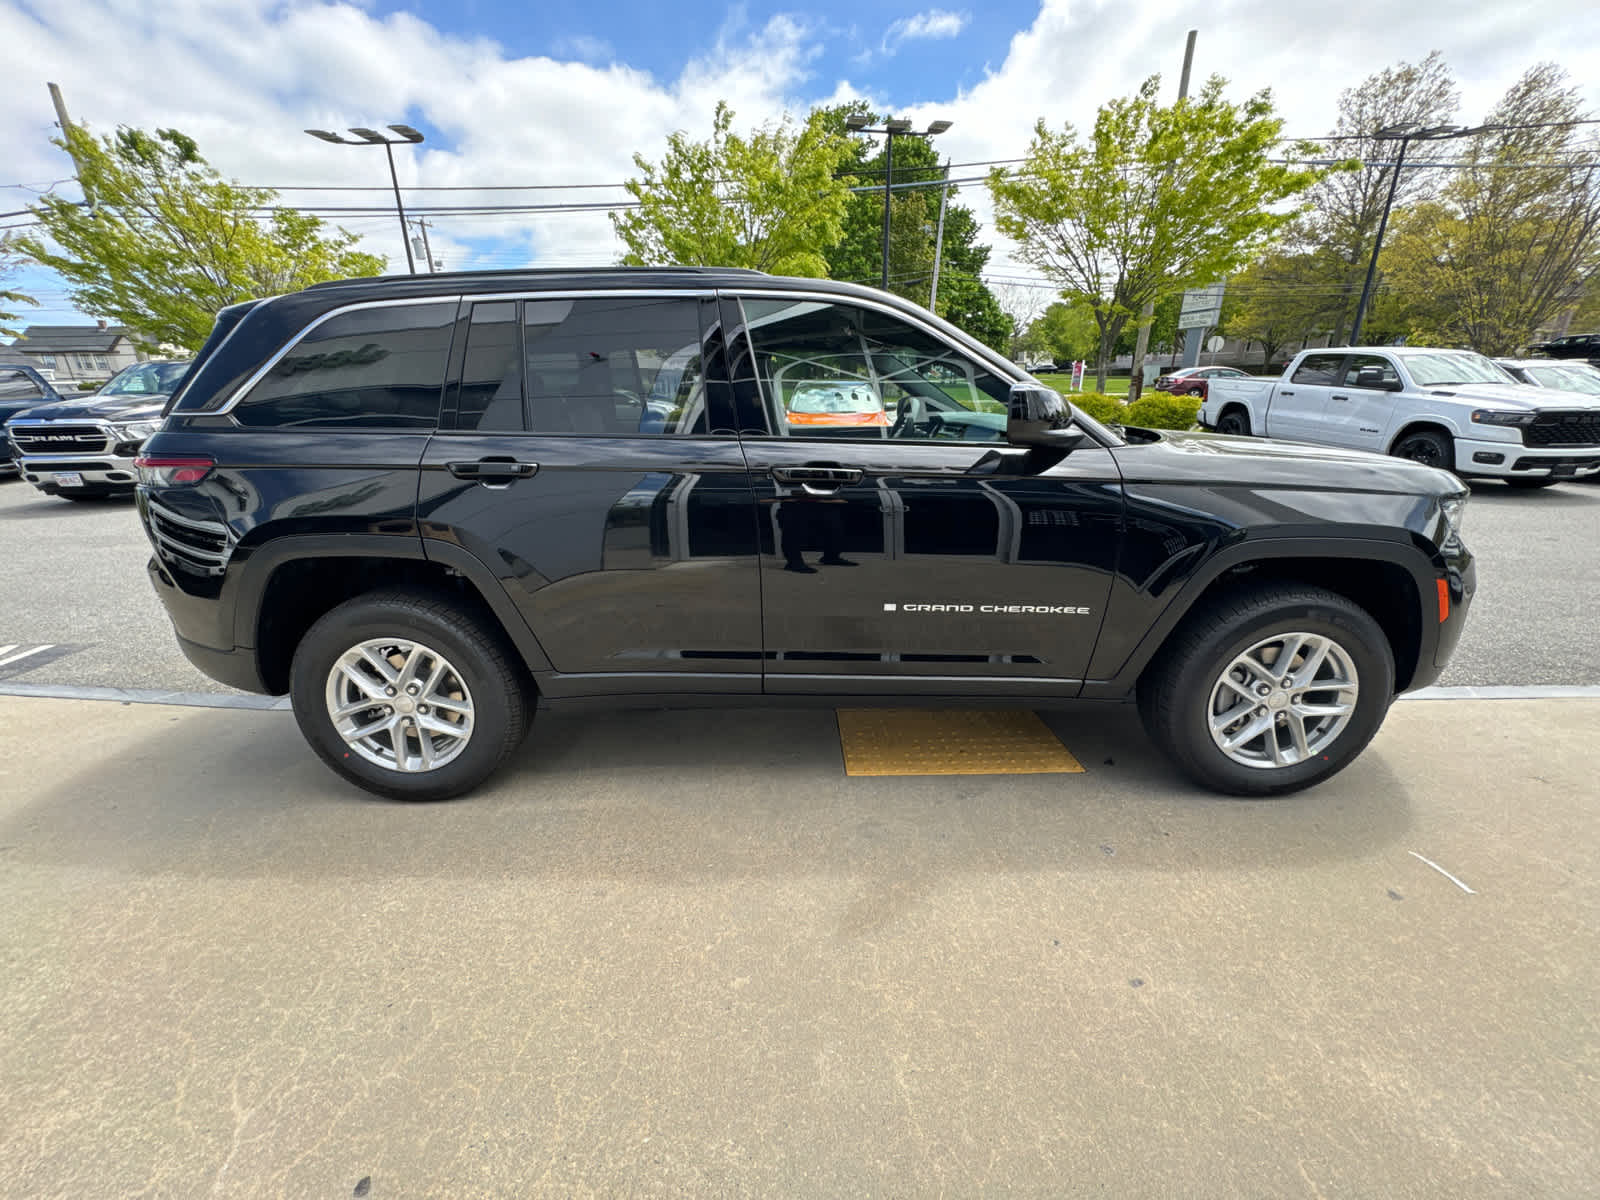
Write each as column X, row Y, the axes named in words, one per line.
column 1040, row 416
column 1377, row 379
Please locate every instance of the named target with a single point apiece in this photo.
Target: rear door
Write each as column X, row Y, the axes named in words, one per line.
column 905, row 546
column 583, row 460
column 1299, row 404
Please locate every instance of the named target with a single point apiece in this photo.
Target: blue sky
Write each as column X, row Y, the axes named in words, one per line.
column 561, row 93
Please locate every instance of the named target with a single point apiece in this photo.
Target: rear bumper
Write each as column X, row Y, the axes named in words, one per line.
column 1512, row 460
column 190, row 615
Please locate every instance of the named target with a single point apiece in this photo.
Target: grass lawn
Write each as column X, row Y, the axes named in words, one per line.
column 1063, row 383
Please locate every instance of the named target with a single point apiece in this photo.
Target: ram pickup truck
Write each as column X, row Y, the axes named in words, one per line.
column 1446, row 408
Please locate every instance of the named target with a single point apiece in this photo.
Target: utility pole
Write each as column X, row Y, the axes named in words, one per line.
column 66, row 135
column 1142, row 342
column 427, row 250
column 938, row 240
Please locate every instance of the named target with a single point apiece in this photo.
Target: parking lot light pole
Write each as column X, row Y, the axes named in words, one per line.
column 1405, row 135
column 371, row 137
column 899, row 127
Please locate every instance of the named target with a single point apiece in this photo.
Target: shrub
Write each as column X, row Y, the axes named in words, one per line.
column 1162, row 410
column 1103, row 408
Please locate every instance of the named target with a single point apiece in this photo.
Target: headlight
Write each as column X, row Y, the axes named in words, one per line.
column 136, row 431
column 1454, row 509
column 1493, row 416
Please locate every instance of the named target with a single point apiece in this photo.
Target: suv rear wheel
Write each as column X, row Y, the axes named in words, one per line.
column 1269, row 691
column 406, row 694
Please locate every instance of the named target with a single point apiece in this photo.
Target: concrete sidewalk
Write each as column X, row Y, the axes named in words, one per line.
column 683, row 953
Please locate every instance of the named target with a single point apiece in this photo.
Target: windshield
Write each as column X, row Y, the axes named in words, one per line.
column 146, row 379
column 1448, row 369
column 1572, row 379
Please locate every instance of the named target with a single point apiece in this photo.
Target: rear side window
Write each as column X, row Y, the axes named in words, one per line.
column 381, row 367
column 1318, row 369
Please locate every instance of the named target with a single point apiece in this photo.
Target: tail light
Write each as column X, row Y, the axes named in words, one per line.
column 173, row 472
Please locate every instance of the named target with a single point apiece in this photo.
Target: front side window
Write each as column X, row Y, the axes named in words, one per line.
column 379, row 367
column 14, row 385
column 844, row 371
column 1360, row 362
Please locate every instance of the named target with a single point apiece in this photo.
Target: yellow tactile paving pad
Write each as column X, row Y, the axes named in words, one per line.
column 912, row 741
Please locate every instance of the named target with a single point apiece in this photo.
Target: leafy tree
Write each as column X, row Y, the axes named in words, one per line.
column 1157, row 199
column 1347, row 205
column 1066, row 332
column 964, row 299
column 9, row 261
column 1510, row 240
column 169, row 242
column 772, row 201
column 1282, row 298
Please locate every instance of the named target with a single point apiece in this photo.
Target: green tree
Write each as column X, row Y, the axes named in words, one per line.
column 1156, row 200
column 772, row 201
column 964, row 299
column 1282, row 298
column 1066, row 332
column 169, row 242
column 10, row 260
column 1511, row 239
column 1347, row 205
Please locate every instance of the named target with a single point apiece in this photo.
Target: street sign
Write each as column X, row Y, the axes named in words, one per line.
column 1202, row 307
column 1214, row 344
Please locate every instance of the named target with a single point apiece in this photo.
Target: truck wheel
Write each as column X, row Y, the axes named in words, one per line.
column 1427, row 447
column 1269, row 691
column 1235, row 422
column 405, row 694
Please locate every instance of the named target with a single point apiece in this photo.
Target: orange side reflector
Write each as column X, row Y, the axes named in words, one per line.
column 1444, row 600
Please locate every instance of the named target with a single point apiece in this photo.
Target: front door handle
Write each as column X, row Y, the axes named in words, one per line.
column 1285, row 393
column 1341, row 397
column 819, row 481
column 493, row 472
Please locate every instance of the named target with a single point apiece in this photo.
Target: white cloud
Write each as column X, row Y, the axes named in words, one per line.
column 934, row 23
column 244, row 77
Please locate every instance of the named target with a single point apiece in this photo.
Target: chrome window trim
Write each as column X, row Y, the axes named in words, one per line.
column 243, row 390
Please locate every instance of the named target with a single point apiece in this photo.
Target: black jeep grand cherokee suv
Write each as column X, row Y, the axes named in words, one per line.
column 423, row 506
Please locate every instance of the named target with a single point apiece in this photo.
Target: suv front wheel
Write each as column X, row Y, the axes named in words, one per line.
column 405, row 694
column 1269, row 691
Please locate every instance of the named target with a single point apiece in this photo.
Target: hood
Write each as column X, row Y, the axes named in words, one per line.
column 1170, row 457
column 100, row 408
column 1519, row 396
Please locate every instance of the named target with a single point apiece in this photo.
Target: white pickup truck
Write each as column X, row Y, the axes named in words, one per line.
column 1446, row 408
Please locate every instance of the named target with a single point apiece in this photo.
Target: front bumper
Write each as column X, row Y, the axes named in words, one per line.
column 1513, row 460
column 98, row 472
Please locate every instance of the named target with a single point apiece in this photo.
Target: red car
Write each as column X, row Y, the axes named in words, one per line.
column 1191, row 381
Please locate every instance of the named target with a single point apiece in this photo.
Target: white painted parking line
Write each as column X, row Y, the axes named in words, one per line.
column 1443, row 872
column 1534, row 691
column 6, row 662
column 4, row 650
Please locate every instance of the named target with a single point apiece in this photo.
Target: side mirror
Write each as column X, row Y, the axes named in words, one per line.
column 1377, row 379
column 1040, row 416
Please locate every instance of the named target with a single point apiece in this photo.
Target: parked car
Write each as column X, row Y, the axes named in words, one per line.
column 1192, row 381
column 1577, row 345
column 84, row 448
column 1567, row 375
column 1451, row 409
column 21, row 388
column 332, row 519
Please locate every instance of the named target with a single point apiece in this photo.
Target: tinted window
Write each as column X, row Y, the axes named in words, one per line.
column 839, row 371
column 622, row 365
column 14, row 385
column 1352, row 371
column 372, row 368
column 491, row 376
column 1318, row 369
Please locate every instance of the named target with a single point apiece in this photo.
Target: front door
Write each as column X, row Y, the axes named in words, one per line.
column 1299, row 404
column 905, row 546
column 581, row 461
column 1360, row 415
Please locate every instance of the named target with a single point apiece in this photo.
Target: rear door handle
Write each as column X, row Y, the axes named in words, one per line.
column 1341, row 397
column 493, row 472
column 819, row 481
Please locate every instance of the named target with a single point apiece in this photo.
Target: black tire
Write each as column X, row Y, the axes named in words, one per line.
column 1235, row 422
column 1428, row 447
column 1529, row 485
column 502, row 704
column 1175, row 692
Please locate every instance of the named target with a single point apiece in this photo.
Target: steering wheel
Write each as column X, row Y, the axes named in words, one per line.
column 908, row 413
